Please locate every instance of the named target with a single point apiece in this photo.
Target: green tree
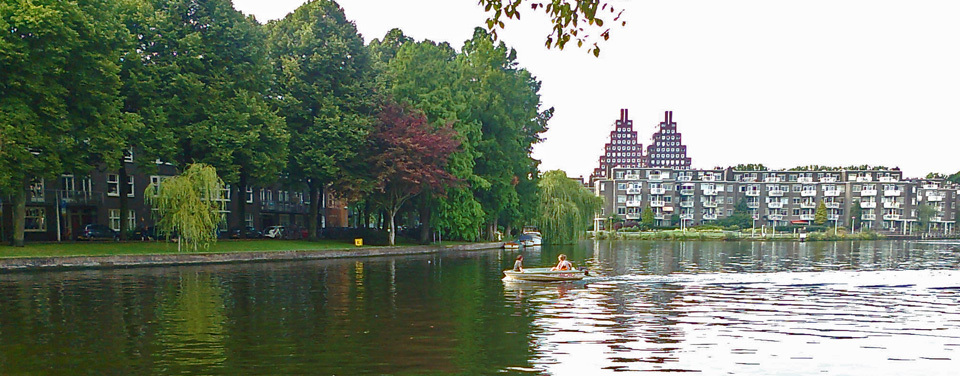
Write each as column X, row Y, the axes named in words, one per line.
column 646, row 217
column 750, row 167
column 742, row 216
column 60, row 108
column 567, row 208
column 924, row 213
column 189, row 205
column 820, row 216
column 856, row 214
column 325, row 90
column 570, row 19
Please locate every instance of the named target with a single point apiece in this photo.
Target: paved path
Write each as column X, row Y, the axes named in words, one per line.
column 39, row 263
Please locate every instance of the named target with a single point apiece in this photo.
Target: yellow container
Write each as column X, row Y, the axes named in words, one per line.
column 358, row 242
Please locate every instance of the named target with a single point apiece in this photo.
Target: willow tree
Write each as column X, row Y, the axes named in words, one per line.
column 189, row 205
column 567, row 208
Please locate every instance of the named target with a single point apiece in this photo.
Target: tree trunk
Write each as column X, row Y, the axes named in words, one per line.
column 509, row 231
column 241, row 205
column 425, row 214
column 393, row 228
column 314, row 210
column 122, row 182
column 20, row 212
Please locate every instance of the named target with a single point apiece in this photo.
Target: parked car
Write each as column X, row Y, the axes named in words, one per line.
column 249, row 232
column 144, row 233
column 95, row 232
column 273, row 232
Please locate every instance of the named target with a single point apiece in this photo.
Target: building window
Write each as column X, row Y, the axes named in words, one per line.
column 796, row 211
column 621, row 210
column 131, row 219
column 35, row 220
column 115, row 219
column 113, row 185
column 621, row 199
column 131, row 187
column 249, row 219
column 249, row 191
column 36, row 190
column 128, row 155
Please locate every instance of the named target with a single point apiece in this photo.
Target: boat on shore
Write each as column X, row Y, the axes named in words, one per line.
column 529, row 239
column 544, row 275
column 511, row 245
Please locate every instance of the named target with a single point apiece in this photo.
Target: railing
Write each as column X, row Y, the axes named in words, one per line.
column 284, row 207
column 891, row 217
column 891, row 192
column 753, row 193
column 775, row 217
column 753, row 205
column 833, row 217
column 633, row 216
column 869, row 217
column 657, row 204
column 80, row 197
column 659, row 216
column 828, row 179
column 804, row 179
column 775, row 204
column 862, row 179
column 634, row 191
column 709, row 217
column 936, row 219
column 686, row 204
column 930, row 186
column 807, row 217
column 686, row 191
column 808, row 205
column 709, row 204
column 709, row 192
column 891, row 205
column 634, row 204
column 684, row 178
column 868, row 192
column 709, row 178
column 888, row 179
column 868, row 204
column 658, row 191
column 771, row 179
column 934, row 197
column 686, row 216
column 808, row 193
column 831, row 193
column 832, row 205
column 631, row 177
column 775, row 193
column 657, row 177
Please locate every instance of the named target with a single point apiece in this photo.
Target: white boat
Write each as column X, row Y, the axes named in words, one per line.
column 511, row 245
column 544, row 275
column 530, row 239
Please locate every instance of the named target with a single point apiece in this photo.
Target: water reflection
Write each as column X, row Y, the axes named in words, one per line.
column 712, row 307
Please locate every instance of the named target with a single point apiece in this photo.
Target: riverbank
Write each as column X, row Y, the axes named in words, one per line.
column 694, row 235
column 139, row 254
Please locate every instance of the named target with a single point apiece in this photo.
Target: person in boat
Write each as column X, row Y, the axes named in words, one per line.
column 563, row 264
column 518, row 265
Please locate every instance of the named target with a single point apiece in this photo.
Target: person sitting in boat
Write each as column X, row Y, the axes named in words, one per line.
column 518, row 266
column 563, row 264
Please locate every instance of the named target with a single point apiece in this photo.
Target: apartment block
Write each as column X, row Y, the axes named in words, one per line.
column 881, row 200
column 623, row 149
column 666, row 147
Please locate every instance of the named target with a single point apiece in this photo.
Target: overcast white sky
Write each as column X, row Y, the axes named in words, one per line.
column 831, row 82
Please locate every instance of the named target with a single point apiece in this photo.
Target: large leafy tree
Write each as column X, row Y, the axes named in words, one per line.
column 189, row 205
column 567, row 208
column 324, row 91
column 59, row 92
column 199, row 77
column 406, row 156
column 569, row 19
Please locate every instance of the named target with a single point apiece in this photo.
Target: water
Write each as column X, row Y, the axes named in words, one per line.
column 861, row 308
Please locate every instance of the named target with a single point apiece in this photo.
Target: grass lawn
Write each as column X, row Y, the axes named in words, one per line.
column 107, row 248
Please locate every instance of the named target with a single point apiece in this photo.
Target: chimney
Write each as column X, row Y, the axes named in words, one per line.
column 671, row 117
column 666, row 117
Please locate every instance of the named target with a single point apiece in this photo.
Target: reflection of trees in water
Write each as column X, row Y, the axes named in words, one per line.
column 191, row 320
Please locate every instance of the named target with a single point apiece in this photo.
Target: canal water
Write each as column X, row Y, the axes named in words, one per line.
column 844, row 308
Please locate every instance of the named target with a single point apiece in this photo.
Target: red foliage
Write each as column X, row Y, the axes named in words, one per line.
column 408, row 154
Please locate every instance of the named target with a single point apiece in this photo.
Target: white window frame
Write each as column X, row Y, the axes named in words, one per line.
column 131, row 186
column 38, row 215
column 131, row 219
column 113, row 185
column 115, row 219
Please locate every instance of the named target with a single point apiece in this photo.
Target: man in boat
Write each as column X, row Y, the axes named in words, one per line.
column 563, row 264
column 518, row 266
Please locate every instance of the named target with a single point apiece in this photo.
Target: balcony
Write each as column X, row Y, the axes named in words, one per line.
column 633, row 191
column 808, row 193
column 634, row 204
column 656, row 177
column 869, row 217
column 775, row 193
column 807, row 217
column 657, row 204
column 80, row 197
column 283, row 207
column 891, row 217
column 808, row 205
column 832, row 205
column 660, row 216
column 831, row 193
column 753, row 193
column 633, row 216
column 828, row 179
column 863, row 179
column 890, row 193
column 631, row 177
column 930, row 186
column 687, row 216
column 868, row 192
column 686, row 204
column 833, row 217
column 709, row 192
column 868, row 204
column 709, row 204
column 936, row 219
column 709, row 178
column 753, row 205
column 686, row 192
column 804, row 179
column 709, row 217
column 891, row 205
column 888, row 179
column 684, row 178
column 775, row 204
column 934, row 197
column 658, row 191
column 771, row 179
column 775, row 217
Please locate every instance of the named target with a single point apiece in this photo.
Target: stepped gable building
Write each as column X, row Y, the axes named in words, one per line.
column 623, row 150
column 666, row 148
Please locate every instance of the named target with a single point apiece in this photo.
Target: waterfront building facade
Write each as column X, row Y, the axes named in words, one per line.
column 623, row 149
column 666, row 148
column 880, row 200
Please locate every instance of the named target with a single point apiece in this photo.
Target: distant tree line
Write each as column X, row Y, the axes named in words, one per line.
column 403, row 128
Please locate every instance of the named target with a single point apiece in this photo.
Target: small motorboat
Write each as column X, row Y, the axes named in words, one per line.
column 544, row 275
column 511, row 245
column 530, row 239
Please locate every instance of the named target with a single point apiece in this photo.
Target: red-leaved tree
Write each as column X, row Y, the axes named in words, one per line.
column 407, row 156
